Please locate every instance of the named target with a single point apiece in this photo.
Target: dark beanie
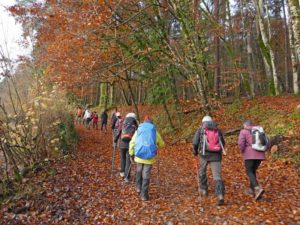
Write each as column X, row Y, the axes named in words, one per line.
column 248, row 123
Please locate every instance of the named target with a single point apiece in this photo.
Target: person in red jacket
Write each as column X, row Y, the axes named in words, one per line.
column 95, row 120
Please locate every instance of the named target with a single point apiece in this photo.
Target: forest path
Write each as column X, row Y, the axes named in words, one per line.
column 83, row 191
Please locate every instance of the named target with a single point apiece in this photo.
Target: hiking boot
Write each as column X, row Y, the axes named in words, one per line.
column 203, row 192
column 250, row 192
column 122, row 174
column 145, row 198
column 126, row 180
column 258, row 191
column 220, row 200
column 138, row 190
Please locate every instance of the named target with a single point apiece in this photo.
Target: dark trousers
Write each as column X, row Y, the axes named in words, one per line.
column 95, row 125
column 143, row 178
column 251, row 166
column 104, row 126
column 125, row 162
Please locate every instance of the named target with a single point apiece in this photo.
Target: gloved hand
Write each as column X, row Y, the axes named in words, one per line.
column 132, row 159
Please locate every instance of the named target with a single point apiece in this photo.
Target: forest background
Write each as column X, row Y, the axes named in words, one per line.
column 182, row 58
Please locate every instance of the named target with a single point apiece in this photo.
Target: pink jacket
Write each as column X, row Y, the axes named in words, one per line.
column 244, row 142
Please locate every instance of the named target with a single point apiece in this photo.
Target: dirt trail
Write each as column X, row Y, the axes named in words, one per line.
column 83, row 191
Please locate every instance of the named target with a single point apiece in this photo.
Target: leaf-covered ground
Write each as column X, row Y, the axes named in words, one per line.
column 82, row 191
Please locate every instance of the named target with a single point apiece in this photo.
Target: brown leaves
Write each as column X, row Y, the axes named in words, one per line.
column 84, row 192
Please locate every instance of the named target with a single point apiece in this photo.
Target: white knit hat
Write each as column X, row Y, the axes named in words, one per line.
column 118, row 114
column 131, row 115
column 206, row 119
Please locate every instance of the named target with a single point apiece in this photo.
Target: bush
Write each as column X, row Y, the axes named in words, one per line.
column 40, row 129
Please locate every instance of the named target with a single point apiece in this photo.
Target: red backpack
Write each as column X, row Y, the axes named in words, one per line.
column 211, row 140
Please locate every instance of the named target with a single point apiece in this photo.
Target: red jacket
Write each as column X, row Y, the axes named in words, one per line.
column 95, row 117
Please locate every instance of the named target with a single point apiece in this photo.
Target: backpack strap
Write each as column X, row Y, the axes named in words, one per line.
column 202, row 141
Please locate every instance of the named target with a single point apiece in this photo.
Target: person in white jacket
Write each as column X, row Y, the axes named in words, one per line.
column 87, row 118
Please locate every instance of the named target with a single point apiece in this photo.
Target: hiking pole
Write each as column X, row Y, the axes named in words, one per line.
column 196, row 160
column 128, row 171
column 113, row 158
column 158, row 177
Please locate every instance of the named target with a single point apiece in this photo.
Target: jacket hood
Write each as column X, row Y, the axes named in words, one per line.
column 210, row 124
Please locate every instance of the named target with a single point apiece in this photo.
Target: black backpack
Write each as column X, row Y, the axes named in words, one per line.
column 128, row 130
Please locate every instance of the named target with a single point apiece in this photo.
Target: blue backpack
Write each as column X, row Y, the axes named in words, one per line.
column 145, row 142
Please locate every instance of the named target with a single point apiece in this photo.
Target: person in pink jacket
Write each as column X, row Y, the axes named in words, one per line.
column 252, row 159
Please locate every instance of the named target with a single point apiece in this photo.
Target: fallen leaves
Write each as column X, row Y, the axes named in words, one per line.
column 82, row 191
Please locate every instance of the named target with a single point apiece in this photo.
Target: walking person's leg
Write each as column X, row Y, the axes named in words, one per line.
column 250, row 171
column 127, row 166
column 139, row 177
column 123, row 162
column 203, row 177
column 146, row 182
column 258, row 190
column 216, row 169
column 255, row 168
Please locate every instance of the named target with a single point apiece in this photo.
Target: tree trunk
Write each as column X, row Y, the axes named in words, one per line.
column 250, row 61
column 132, row 96
column 272, row 55
column 295, row 20
column 168, row 114
column 217, row 77
column 294, row 29
column 103, row 96
column 268, row 56
column 124, row 94
column 286, row 49
column 111, row 94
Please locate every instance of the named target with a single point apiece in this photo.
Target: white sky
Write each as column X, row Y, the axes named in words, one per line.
column 10, row 31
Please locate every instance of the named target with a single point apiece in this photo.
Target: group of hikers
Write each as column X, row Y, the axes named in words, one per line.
column 89, row 118
column 138, row 145
column 209, row 143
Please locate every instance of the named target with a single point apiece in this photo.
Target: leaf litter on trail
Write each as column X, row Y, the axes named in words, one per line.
column 84, row 192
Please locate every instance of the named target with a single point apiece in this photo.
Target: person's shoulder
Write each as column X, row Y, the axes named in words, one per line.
column 244, row 131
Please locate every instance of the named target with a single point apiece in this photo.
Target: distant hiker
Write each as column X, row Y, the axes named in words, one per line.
column 143, row 151
column 95, row 120
column 116, row 127
column 79, row 115
column 253, row 143
column 87, row 118
column 113, row 116
column 104, row 117
column 209, row 143
column 127, row 131
column 83, row 113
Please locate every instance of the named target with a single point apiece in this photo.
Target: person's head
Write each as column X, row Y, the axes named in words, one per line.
column 131, row 115
column 95, row 112
column 207, row 119
column 247, row 123
column 118, row 114
column 147, row 119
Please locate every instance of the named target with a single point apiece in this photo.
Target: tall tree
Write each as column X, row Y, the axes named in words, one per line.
column 268, row 54
column 294, row 23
